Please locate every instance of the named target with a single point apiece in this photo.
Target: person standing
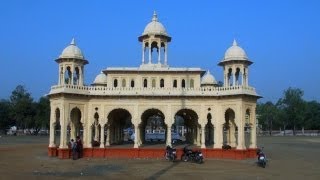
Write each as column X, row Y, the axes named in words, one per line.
column 74, row 152
column 79, row 147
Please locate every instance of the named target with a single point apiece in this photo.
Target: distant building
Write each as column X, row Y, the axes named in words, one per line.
column 120, row 96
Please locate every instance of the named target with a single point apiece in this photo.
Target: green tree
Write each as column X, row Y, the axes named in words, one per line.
column 267, row 116
column 23, row 109
column 312, row 115
column 42, row 116
column 5, row 120
column 294, row 107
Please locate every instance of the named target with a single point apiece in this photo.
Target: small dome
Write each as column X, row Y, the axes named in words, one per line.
column 235, row 53
column 100, row 79
column 208, row 79
column 154, row 27
column 72, row 51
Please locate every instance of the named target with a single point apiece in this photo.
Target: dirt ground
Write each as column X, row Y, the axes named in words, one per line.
column 25, row 157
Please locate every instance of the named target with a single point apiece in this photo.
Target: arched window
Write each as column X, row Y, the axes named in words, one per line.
column 153, row 83
column 162, row 83
column 183, row 83
column 115, row 83
column 132, row 83
column 145, row 83
column 191, row 83
column 175, row 83
column 123, row 83
column 68, row 75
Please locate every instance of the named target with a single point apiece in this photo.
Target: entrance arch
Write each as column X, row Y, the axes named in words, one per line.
column 230, row 128
column 119, row 127
column 209, row 130
column 153, row 129
column 186, row 123
column 76, row 128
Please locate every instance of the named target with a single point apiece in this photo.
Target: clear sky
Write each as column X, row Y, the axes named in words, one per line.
column 282, row 38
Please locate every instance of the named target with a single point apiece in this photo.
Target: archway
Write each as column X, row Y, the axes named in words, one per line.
column 76, row 128
column 186, row 124
column 118, row 127
column 96, row 131
column 230, row 129
column 209, row 130
column 153, row 129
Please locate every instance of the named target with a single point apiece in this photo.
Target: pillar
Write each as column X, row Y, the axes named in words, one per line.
column 203, row 140
column 166, row 54
column 143, row 51
column 63, row 131
column 51, row 136
column 169, row 136
column 150, row 52
column 218, row 136
column 108, row 136
column 234, row 79
column 198, row 136
column 136, row 130
column 102, row 137
column 253, row 130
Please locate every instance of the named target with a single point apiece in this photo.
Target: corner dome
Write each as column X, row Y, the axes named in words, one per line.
column 101, row 79
column 72, row 51
column 235, row 53
column 208, row 79
column 155, row 27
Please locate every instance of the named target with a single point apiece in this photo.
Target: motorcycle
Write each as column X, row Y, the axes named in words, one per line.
column 171, row 154
column 194, row 156
column 262, row 159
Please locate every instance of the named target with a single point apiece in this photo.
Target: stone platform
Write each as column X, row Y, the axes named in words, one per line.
column 151, row 152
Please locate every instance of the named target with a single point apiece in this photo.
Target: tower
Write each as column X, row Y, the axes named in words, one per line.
column 71, row 66
column 154, row 41
column 235, row 66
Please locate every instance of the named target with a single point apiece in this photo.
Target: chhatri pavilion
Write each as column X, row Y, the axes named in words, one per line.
column 210, row 114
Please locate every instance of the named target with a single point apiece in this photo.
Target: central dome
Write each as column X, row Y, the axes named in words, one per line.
column 72, row 51
column 154, row 27
column 235, row 53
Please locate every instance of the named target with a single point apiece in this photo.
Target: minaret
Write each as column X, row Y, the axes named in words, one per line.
column 235, row 66
column 71, row 65
column 154, row 39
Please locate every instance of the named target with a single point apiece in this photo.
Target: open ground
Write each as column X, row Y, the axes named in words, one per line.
column 25, row 157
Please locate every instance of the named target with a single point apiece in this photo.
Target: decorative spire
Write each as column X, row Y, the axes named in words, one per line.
column 208, row 72
column 234, row 43
column 73, row 42
column 155, row 17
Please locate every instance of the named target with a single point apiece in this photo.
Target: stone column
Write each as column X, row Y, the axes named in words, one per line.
column 234, row 79
column 51, row 136
column 218, row 136
column 159, row 52
column 232, row 135
column 169, row 136
column 150, row 52
column 203, row 140
column 136, row 130
column 198, row 136
column 102, row 137
column 253, row 130
column 143, row 51
column 166, row 54
column 63, row 130
column 108, row 136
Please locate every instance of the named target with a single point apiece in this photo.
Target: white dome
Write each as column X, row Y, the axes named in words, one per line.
column 100, row 79
column 208, row 79
column 72, row 51
column 235, row 53
column 154, row 27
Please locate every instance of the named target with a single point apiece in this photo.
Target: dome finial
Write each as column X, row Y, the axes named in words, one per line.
column 234, row 42
column 73, row 42
column 155, row 17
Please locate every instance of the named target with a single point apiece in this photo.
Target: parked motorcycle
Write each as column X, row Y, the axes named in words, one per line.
column 193, row 156
column 171, row 154
column 262, row 159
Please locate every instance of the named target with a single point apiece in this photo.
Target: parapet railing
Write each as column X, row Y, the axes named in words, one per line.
column 136, row 91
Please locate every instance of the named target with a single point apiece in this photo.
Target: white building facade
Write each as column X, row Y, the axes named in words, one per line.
column 212, row 112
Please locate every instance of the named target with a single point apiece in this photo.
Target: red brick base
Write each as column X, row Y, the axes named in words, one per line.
column 150, row 153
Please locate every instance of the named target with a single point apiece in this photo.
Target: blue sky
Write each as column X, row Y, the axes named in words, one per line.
column 281, row 38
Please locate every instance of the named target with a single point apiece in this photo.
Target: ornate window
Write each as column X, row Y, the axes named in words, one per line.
column 115, row 83
column 162, row 83
column 145, row 83
column 132, row 83
column 183, row 83
column 175, row 83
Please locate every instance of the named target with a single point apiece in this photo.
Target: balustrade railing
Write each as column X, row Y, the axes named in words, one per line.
column 128, row 91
